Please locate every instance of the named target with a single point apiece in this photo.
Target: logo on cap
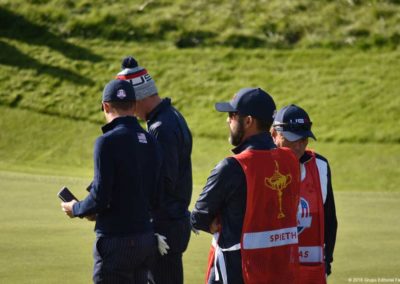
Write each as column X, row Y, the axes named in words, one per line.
column 121, row 94
column 299, row 120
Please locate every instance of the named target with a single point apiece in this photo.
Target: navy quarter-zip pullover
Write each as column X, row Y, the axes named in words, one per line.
column 127, row 162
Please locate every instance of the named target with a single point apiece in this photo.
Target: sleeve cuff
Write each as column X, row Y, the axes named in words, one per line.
column 75, row 209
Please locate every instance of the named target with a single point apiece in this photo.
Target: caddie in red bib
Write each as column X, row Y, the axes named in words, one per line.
column 269, row 239
column 317, row 222
column 250, row 200
column 311, row 226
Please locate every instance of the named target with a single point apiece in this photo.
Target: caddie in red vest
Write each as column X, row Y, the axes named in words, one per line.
column 317, row 224
column 250, row 200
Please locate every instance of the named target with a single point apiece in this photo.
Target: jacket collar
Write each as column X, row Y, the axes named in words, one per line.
column 126, row 120
column 165, row 103
column 306, row 157
column 261, row 141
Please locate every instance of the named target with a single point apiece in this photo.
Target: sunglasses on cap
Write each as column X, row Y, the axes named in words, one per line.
column 294, row 126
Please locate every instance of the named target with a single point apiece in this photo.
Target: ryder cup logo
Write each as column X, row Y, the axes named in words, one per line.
column 303, row 216
column 121, row 94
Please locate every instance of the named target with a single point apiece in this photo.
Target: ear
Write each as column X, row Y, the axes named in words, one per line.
column 275, row 136
column 249, row 121
column 106, row 107
column 273, row 132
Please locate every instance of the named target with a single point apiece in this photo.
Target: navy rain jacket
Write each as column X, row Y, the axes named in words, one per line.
column 175, row 139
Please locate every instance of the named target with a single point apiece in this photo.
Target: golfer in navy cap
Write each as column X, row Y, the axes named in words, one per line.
column 317, row 224
column 250, row 199
column 126, row 169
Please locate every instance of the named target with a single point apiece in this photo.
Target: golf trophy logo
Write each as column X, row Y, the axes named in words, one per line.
column 278, row 182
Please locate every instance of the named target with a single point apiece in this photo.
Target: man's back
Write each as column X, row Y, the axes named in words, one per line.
column 171, row 219
column 126, row 163
column 126, row 169
column 175, row 139
column 171, row 216
column 269, row 248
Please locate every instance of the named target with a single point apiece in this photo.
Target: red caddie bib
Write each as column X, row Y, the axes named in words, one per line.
column 269, row 244
column 311, row 226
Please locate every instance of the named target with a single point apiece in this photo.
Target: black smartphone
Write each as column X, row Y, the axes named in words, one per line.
column 65, row 195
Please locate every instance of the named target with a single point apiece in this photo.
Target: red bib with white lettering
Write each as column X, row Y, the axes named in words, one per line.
column 311, row 226
column 269, row 244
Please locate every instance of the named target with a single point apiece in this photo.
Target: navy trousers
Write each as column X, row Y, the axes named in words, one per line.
column 168, row 269
column 233, row 266
column 123, row 259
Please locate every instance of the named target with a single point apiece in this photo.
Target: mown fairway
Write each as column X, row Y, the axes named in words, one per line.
column 39, row 244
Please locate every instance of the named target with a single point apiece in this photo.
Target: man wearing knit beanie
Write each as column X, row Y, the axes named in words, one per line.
column 171, row 217
column 139, row 78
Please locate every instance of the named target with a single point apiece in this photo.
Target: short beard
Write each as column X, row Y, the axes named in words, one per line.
column 235, row 138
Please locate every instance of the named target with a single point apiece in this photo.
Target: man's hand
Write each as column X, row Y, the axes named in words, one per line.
column 67, row 207
column 215, row 226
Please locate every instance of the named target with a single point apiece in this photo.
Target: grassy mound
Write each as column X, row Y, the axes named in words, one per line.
column 249, row 24
column 350, row 95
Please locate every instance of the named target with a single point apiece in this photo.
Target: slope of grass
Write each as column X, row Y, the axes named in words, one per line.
column 38, row 243
column 236, row 23
column 351, row 95
column 32, row 142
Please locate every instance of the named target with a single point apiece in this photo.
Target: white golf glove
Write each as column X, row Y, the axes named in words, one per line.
column 163, row 247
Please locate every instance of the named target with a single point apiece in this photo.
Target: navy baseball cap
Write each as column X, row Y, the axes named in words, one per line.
column 250, row 101
column 294, row 123
column 118, row 91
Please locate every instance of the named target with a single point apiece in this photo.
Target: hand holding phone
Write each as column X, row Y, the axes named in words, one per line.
column 66, row 195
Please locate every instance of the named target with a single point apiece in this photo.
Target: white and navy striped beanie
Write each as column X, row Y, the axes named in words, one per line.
column 139, row 78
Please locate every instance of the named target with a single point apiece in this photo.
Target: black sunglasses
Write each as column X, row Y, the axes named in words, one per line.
column 232, row 114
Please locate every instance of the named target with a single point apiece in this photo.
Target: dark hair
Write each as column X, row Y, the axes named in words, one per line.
column 126, row 105
column 262, row 125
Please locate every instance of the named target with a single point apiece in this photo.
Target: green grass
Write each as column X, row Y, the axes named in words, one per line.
column 60, row 146
column 38, row 243
column 337, row 59
column 351, row 95
column 367, row 242
column 32, row 142
column 235, row 23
